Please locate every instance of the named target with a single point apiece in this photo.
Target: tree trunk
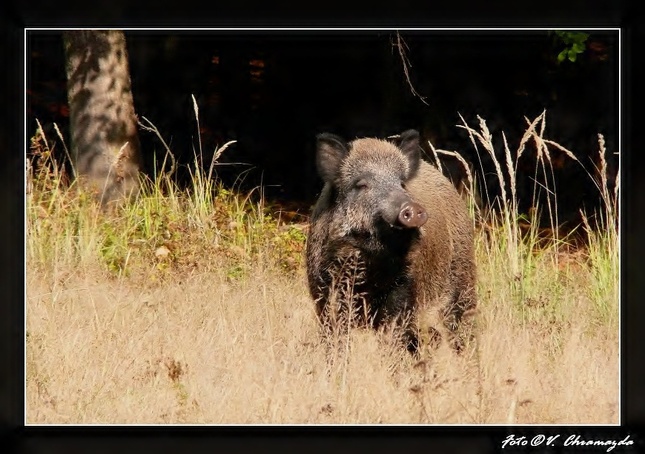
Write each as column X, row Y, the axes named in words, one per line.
column 103, row 125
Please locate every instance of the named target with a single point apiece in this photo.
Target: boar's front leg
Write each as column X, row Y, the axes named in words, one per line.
column 399, row 309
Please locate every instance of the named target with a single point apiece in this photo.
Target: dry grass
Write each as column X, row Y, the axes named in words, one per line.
column 193, row 308
column 200, row 349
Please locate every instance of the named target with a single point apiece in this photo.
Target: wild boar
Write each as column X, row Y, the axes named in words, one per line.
column 390, row 240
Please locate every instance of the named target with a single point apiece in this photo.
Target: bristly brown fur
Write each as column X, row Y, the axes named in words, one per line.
column 396, row 274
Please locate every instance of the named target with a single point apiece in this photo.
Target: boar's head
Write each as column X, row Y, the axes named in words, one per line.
column 365, row 187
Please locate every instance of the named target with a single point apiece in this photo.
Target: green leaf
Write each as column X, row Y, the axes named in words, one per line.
column 562, row 55
column 578, row 47
column 572, row 55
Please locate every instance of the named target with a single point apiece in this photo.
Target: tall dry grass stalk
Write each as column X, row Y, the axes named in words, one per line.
column 543, row 181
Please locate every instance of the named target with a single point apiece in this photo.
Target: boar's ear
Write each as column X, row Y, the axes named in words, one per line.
column 408, row 142
column 331, row 150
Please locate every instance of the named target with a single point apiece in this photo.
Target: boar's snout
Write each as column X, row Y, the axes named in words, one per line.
column 412, row 215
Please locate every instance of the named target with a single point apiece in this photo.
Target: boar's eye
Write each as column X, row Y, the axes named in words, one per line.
column 361, row 184
column 403, row 185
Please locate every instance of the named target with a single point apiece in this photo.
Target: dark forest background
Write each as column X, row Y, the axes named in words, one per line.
column 273, row 91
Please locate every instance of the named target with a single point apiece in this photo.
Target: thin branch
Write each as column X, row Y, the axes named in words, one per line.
column 402, row 46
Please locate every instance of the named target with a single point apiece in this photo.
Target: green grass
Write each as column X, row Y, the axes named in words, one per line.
column 162, row 227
